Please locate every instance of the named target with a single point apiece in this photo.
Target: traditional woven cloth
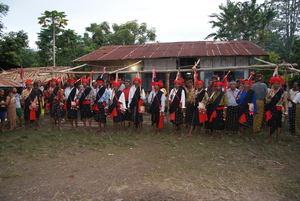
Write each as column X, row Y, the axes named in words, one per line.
column 295, row 119
column 232, row 120
column 258, row 118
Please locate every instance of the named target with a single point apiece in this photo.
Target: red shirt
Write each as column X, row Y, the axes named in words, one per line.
column 126, row 93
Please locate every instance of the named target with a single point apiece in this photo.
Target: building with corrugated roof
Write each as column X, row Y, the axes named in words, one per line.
column 176, row 55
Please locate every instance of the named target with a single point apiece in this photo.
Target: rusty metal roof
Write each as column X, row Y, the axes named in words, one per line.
column 7, row 82
column 176, row 49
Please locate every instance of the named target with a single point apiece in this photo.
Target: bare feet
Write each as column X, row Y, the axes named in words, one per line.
column 153, row 133
column 279, row 141
column 211, row 137
column 49, row 129
column 113, row 132
column 222, row 138
column 268, row 140
column 26, row 129
column 37, row 129
column 69, row 129
column 172, row 133
column 99, row 130
column 251, row 139
column 189, row 135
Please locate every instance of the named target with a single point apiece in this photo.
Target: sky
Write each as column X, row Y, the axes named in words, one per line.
column 174, row 22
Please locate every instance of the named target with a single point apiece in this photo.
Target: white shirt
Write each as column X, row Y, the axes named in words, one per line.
column 132, row 92
column 68, row 91
column 162, row 100
column 231, row 96
column 121, row 100
column 297, row 98
column 173, row 94
column 292, row 95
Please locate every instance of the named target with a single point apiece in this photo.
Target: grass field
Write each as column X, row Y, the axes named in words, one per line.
column 80, row 165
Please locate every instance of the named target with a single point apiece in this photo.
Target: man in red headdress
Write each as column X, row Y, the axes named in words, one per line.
column 30, row 104
column 117, row 106
column 135, row 104
column 70, row 95
column 217, row 110
column 157, row 100
column 276, row 106
column 101, row 105
column 55, row 99
column 177, row 106
column 199, row 99
column 246, row 99
column 86, row 100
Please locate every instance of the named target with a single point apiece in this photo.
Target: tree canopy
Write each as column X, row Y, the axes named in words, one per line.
column 53, row 19
column 241, row 20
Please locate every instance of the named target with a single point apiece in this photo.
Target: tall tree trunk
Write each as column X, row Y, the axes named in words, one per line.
column 53, row 35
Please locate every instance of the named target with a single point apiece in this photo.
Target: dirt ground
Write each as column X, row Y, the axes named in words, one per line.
column 76, row 165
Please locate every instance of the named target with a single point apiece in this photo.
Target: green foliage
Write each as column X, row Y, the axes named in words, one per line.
column 130, row 33
column 69, row 46
column 29, row 58
column 53, row 19
column 295, row 58
column 3, row 12
column 11, row 45
column 286, row 25
column 241, row 21
column 44, row 46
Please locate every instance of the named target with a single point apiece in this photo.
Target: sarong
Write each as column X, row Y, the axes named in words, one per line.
column 99, row 115
column 178, row 117
column 249, row 121
column 85, row 111
column 119, row 117
column 194, row 117
column 295, row 119
column 72, row 114
column 232, row 119
column 275, row 121
column 55, row 111
column 218, row 123
column 258, row 118
column 136, row 117
column 187, row 118
column 127, row 114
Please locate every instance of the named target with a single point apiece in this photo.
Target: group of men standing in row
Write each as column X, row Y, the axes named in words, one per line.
column 215, row 107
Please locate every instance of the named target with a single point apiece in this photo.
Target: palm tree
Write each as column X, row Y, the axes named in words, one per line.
column 53, row 19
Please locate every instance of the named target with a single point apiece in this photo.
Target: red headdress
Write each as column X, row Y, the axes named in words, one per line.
column 28, row 81
column 200, row 82
column 137, row 79
column 157, row 83
column 177, row 81
column 161, row 83
column 55, row 80
column 117, row 84
column 276, row 80
column 86, row 80
column 70, row 80
column 218, row 83
column 246, row 81
column 181, row 81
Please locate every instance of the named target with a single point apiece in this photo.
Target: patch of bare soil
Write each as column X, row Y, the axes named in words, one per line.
column 115, row 174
